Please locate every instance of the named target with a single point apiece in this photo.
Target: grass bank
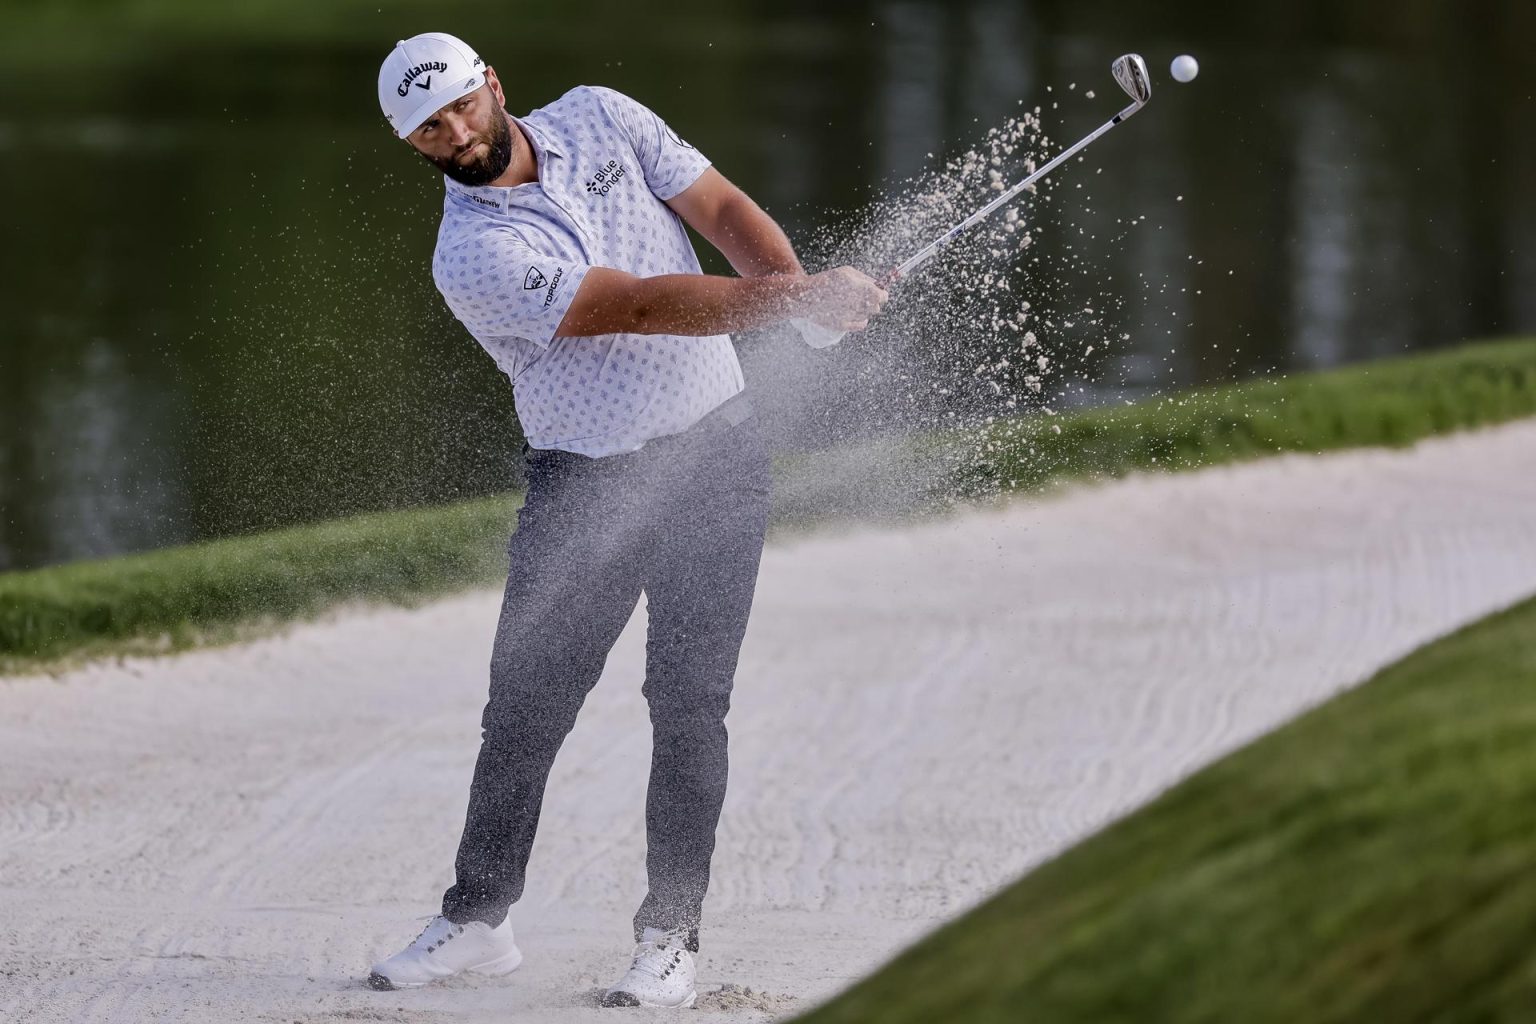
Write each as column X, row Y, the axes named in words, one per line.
column 185, row 596
column 1369, row 862
column 1393, row 402
column 178, row 597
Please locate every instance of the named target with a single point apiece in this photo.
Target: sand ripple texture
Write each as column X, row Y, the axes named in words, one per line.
column 922, row 713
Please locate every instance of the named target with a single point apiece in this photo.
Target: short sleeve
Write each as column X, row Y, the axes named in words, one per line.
column 669, row 164
column 499, row 286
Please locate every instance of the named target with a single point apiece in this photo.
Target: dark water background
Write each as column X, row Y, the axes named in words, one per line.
column 219, row 315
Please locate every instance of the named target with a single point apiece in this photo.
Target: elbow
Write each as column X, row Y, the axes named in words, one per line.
column 642, row 318
column 647, row 310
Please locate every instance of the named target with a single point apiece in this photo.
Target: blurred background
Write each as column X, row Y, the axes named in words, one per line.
column 219, row 308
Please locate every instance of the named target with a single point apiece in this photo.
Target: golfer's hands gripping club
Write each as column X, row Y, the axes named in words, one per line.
column 838, row 301
column 843, row 299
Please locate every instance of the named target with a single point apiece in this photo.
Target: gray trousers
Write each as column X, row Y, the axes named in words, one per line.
column 683, row 521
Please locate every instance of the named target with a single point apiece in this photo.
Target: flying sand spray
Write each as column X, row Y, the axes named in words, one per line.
column 1130, row 73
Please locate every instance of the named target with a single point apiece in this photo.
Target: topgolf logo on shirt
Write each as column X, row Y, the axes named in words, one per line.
column 416, row 72
column 554, row 282
column 603, row 181
column 535, row 279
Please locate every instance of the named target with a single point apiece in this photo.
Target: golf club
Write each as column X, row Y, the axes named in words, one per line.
column 1130, row 73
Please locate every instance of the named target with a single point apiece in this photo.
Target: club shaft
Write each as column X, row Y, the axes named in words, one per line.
column 924, row 254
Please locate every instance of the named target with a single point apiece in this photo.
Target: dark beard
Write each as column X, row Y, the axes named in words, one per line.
column 489, row 167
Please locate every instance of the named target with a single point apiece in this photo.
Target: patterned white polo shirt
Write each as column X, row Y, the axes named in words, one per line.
column 509, row 262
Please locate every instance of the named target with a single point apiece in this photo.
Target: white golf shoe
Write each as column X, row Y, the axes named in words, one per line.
column 444, row 949
column 662, row 973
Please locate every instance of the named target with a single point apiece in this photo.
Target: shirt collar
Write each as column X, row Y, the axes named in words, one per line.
column 498, row 198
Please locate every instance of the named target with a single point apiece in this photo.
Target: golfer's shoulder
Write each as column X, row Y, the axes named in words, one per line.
column 593, row 101
column 467, row 244
column 586, row 97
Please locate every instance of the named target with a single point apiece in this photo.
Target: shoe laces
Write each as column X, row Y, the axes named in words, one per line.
column 657, row 958
column 450, row 931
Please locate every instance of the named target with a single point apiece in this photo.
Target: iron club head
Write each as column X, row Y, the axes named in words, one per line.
column 1131, row 72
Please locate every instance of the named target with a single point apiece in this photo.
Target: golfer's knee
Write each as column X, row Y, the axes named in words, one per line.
column 520, row 714
column 702, row 717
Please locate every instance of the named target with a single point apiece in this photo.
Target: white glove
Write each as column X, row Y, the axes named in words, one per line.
column 815, row 335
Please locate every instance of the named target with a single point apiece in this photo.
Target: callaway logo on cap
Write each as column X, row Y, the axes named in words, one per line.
column 424, row 73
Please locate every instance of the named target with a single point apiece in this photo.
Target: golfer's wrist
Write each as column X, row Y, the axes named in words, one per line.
column 776, row 297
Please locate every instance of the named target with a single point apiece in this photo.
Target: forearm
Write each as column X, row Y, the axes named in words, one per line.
column 751, row 240
column 685, row 304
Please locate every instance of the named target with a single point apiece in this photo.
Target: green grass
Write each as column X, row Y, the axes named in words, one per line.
column 179, row 597
column 1370, row 862
column 1390, row 403
column 184, row 596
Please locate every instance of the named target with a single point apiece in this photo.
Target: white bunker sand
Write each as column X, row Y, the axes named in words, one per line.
column 922, row 713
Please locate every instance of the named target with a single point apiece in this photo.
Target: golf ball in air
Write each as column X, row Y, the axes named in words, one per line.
column 1184, row 68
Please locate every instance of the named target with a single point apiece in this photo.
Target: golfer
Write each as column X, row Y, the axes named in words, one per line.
column 562, row 250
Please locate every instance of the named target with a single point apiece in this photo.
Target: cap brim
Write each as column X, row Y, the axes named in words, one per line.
column 437, row 101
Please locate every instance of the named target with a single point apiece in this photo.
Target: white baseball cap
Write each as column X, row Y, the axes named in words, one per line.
column 423, row 74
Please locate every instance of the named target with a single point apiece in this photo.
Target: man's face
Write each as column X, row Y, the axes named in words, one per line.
column 469, row 139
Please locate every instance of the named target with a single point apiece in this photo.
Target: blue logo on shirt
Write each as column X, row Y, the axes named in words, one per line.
column 603, row 181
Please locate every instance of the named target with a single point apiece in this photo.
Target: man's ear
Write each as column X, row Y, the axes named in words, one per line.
column 495, row 84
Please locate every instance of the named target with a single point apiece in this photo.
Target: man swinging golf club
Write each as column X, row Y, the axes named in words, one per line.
column 562, row 250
